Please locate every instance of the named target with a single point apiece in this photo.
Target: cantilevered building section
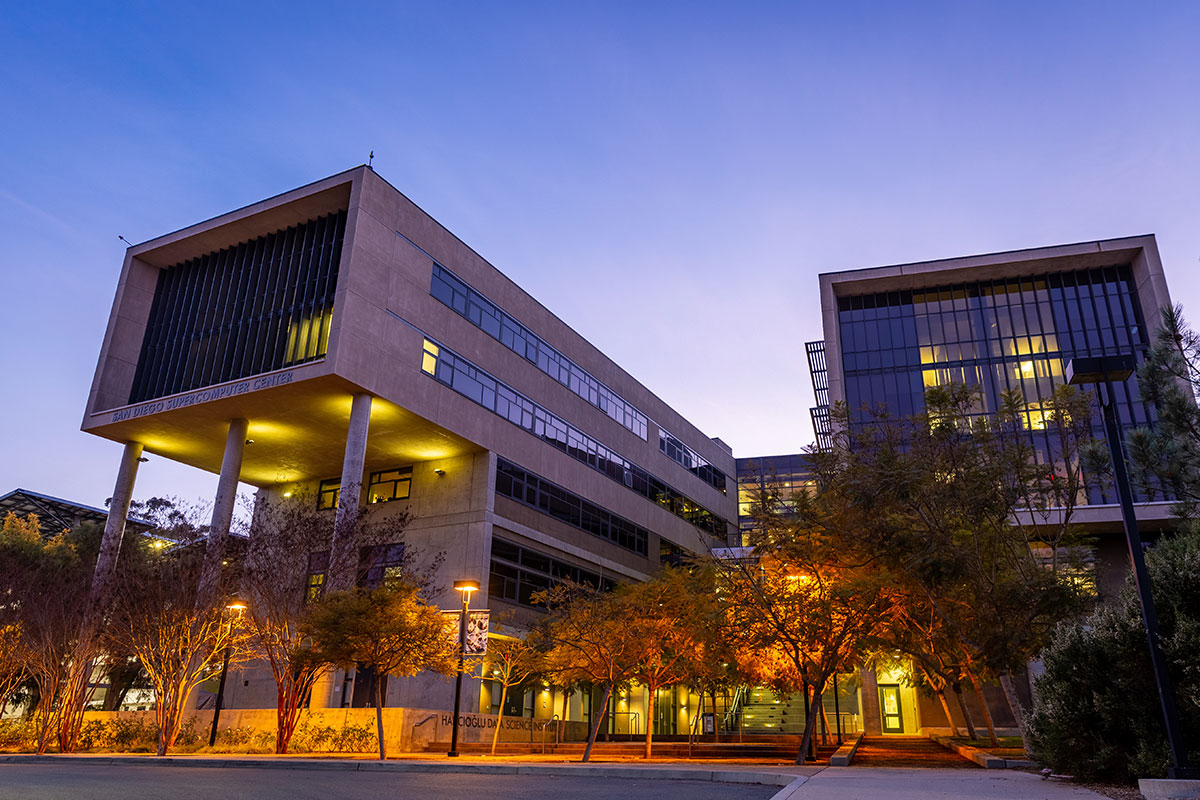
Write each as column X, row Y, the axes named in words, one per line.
column 337, row 340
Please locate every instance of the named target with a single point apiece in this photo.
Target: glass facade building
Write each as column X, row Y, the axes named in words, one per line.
column 998, row 335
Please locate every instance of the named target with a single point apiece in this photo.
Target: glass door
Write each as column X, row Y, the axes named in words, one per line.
column 889, row 708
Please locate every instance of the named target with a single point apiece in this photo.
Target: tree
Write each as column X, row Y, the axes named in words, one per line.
column 177, row 640
column 390, row 629
column 1097, row 714
column 50, row 623
column 958, row 510
column 589, row 640
column 283, row 575
column 672, row 627
column 1166, row 458
column 800, row 615
column 510, row 661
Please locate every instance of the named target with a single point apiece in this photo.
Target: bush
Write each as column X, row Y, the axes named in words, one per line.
column 17, row 735
column 1097, row 714
column 326, row 738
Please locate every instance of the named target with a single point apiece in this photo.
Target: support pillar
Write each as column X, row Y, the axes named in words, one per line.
column 222, row 514
column 343, row 557
column 114, row 526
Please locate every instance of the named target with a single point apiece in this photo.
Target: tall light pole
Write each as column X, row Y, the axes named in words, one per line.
column 1102, row 371
column 466, row 587
column 235, row 606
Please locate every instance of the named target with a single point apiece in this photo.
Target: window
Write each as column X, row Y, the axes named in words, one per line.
column 392, row 484
column 451, row 369
column 536, row 492
column 329, row 493
column 494, row 321
column 380, row 565
column 517, row 572
column 318, row 564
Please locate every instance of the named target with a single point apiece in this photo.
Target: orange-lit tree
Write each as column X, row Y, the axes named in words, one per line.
column 588, row 640
column 799, row 613
column 178, row 642
column 50, row 623
column 673, row 622
column 391, row 630
column 956, row 510
column 511, row 661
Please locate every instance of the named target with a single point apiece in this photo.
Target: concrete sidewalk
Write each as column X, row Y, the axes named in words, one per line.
column 878, row 783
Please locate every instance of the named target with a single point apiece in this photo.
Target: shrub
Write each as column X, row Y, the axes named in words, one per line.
column 1097, row 714
column 17, row 735
column 326, row 738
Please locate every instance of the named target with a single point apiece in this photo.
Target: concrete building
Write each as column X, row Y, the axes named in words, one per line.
column 999, row 321
column 338, row 340
column 335, row 340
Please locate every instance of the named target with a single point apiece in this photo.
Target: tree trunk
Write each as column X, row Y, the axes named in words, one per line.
column 810, row 723
column 587, row 752
column 987, row 714
column 649, row 719
column 379, row 715
column 1014, row 702
column 941, row 693
column 962, row 707
column 500, row 717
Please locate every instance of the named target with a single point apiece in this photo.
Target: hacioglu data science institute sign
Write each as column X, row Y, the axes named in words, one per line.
column 202, row 396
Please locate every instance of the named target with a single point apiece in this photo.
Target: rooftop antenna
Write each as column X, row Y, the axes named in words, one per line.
column 126, row 241
column 370, row 158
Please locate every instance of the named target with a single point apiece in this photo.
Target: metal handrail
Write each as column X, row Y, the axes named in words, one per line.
column 412, row 731
column 635, row 720
column 557, row 730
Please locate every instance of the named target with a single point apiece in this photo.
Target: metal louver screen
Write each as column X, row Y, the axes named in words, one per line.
column 259, row 306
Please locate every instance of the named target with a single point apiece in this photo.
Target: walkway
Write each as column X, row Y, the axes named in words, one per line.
column 907, row 751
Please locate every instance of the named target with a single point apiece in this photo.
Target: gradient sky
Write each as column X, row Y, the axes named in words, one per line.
column 668, row 178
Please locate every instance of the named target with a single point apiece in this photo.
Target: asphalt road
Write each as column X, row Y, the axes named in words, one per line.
column 102, row 781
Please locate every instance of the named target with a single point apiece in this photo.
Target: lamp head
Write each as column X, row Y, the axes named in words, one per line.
column 237, row 604
column 466, row 586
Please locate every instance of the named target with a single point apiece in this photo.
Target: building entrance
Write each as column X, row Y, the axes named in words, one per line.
column 889, row 708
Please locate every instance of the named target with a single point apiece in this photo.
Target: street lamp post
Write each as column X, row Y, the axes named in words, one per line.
column 466, row 587
column 1102, row 371
column 236, row 605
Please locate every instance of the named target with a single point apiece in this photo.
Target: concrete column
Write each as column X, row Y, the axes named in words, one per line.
column 222, row 514
column 343, row 557
column 114, row 526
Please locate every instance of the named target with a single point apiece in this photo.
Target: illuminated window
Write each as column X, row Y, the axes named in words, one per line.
column 329, row 493
column 429, row 358
column 392, row 484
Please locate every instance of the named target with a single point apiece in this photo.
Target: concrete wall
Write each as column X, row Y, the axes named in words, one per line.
column 404, row 729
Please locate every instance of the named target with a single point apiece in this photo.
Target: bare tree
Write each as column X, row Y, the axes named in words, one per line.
column 179, row 642
column 285, row 573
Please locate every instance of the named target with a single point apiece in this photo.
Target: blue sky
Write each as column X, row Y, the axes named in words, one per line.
column 669, row 178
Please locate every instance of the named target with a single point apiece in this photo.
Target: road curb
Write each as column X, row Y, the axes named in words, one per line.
column 579, row 770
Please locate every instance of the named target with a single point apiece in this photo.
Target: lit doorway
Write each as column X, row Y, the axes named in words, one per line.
column 889, row 708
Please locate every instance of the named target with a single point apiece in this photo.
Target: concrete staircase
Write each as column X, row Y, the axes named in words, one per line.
column 765, row 713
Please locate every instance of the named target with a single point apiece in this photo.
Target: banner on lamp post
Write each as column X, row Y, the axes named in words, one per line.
column 477, row 630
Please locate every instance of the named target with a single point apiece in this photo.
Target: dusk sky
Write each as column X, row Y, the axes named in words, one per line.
column 668, row 178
